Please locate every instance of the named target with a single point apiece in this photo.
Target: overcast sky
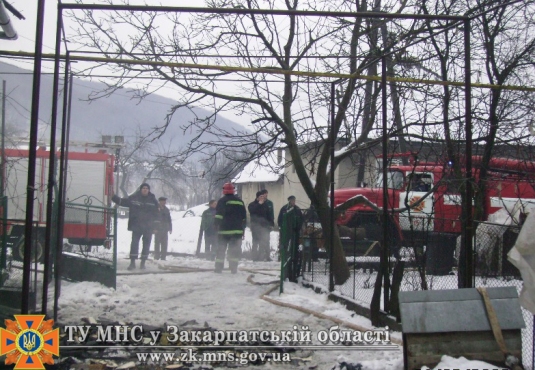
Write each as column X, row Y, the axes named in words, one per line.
column 26, row 28
column 26, row 31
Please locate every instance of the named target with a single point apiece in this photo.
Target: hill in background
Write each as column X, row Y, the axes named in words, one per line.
column 118, row 114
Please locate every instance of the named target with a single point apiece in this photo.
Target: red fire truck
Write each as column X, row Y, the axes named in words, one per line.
column 510, row 186
column 89, row 182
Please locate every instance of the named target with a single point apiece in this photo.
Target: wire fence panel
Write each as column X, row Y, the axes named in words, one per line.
column 89, row 249
column 429, row 250
column 11, row 265
column 89, row 253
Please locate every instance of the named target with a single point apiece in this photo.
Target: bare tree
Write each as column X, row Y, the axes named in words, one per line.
column 263, row 66
column 286, row 109
column 507, row 56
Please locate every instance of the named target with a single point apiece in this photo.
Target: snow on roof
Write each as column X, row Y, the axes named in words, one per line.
column 262, row 170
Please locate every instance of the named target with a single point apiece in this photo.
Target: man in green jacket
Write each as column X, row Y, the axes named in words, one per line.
column 210, row 232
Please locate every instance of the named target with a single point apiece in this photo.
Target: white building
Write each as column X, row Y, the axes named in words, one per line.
column 277, row 174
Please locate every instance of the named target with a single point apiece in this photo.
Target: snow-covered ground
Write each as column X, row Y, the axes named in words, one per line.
column 184, row 290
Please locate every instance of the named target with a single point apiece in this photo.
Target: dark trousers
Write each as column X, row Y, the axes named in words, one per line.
column 134, row 246
column 255, row 246
column 260, row 249
column 233, row 243
column 210, row 244
column 160, row 245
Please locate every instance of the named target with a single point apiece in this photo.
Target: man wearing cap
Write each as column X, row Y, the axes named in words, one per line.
column 165, row 226
column 290, row 221
column 143, row 220
column 291, row 207
column 230, row 222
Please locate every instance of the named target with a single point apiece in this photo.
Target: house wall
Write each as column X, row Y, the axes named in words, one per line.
column 345, row 176
column 292, row 185
column 289, row 184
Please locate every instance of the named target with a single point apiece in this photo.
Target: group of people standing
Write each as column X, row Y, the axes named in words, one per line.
column 223, row 225
column 224, row 222
column 147, row 216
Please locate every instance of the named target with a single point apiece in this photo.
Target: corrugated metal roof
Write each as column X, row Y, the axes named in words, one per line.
column 441, row 311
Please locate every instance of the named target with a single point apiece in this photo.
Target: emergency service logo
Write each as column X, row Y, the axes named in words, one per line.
column 29, row 342
column 420, row 207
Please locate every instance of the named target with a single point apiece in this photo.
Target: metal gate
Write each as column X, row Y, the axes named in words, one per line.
column 89, row 244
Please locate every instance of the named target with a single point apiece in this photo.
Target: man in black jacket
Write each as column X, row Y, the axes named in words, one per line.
column 230, row 223
column 261, row 225
column 165, row 226
column 142, row 221
column 290, row 221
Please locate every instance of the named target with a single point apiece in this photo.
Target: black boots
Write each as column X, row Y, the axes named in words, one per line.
column 132, row 265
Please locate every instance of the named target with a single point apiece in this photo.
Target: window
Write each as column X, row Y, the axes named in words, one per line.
column 420, row 182
column 395, row 180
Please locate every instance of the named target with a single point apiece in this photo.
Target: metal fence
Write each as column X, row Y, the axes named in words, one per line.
column 89, row 253
column 11, row 268
column 90, row 244
column 429, row 261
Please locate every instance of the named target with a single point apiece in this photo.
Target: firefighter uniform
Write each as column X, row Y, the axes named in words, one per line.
column 230, row 221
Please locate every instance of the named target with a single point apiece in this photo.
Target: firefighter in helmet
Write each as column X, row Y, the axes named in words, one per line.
column 230, row 220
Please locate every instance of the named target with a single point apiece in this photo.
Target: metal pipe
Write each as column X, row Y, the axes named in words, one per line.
column 3, row 248
column 273, row 71
column 5, row 22
column 32, row 154
column 384, row 250
column 309, row 13
column 65, row 127
column 64, row 151
column 332, row 143
column 469, row 222
column 3, row 143
column 51, row 169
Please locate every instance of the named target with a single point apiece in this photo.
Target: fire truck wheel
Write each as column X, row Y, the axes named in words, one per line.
column 37, row 252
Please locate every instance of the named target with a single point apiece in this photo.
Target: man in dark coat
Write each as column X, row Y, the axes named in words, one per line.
column 143, row 220
column 290, row 221
column 230, row 222
column 261, row 225
column 209, row 230
column 271, row 213
column 165, row 226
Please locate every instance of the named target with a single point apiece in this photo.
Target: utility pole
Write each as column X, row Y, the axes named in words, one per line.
column 3, row 249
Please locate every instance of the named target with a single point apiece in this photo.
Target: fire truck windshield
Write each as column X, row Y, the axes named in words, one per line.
column 395, row 180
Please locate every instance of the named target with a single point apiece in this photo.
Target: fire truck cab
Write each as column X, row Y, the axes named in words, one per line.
column 424, row 198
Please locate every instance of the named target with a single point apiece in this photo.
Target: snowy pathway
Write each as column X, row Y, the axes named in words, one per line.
column 220, row 301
